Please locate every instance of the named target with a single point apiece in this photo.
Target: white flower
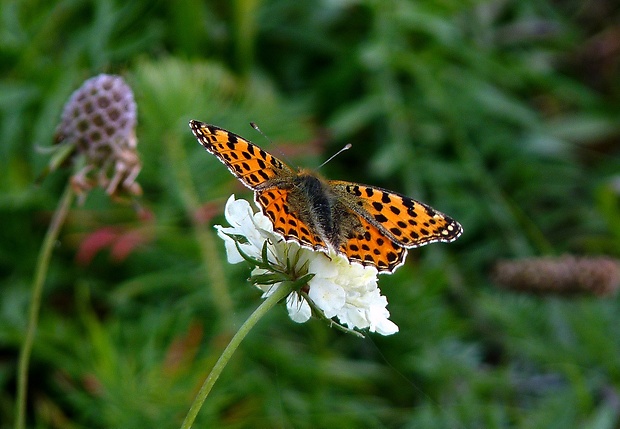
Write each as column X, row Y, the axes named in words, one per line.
column 339, row 288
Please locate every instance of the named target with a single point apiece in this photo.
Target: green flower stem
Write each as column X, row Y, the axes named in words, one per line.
column 245, row 13
column 283, row 290
column 35, row 304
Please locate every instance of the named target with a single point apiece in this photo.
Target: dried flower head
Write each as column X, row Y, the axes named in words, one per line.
column 335, row 287
column 99, row 120
column 565, row 275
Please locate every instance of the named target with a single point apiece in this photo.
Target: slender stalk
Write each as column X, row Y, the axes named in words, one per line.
column 245, row 14
column 283, row 290
column 35, row 304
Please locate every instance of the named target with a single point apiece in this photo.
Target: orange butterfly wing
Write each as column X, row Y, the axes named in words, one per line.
column 405, row 221
column 249, row 163
column 372, row 247
column 261, row 172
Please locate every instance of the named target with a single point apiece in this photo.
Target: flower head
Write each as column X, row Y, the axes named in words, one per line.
column 99, row 122
column 336, row 287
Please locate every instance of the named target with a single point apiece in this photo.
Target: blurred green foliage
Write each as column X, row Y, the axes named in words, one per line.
column 503, row 114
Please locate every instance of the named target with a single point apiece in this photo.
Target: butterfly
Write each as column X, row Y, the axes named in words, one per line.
column 367, row 224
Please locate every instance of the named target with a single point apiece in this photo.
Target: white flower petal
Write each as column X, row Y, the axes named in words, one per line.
column 237, row 211
column 382, row 325
column 328, row 296
column 363, row 305
column 232, row 254
column 298, row 309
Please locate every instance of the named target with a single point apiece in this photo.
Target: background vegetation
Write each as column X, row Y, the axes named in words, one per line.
column 501, row 113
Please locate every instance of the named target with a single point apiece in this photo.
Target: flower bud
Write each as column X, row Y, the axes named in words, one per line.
column 100, row 120
column 564, row 275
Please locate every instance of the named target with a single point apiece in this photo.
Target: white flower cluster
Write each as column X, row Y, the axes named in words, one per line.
column 339, row 289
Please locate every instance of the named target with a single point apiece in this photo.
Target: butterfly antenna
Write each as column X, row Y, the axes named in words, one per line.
column 253, row 125
column 346, row 147
column 282, row 154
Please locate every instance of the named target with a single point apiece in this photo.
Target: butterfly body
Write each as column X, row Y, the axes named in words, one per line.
column 367, row 224
column 319, row 206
